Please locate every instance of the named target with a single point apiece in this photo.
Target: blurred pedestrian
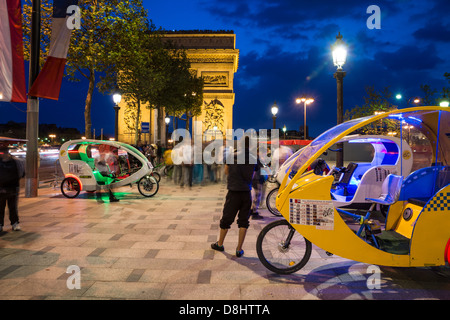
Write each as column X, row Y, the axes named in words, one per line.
column 258, row 188
column 187, row 166
column 159, row 153
column 177, row 159
column 12, row 170
column 279, row 156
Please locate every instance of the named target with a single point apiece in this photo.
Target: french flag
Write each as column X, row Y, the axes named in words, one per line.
column 48, row 83
column 12, row 68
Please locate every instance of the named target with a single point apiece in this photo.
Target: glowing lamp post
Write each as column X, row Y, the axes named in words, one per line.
column 305, row 101
column 117, row 97
column 444, row 102
column 339, row 50
column 167, row 120
column 52, row 137
column 274, row 114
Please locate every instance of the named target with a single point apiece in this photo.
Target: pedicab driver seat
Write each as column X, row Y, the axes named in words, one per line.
column 390, row 191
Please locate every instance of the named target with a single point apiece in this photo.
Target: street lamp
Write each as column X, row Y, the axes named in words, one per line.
column 416, row 100
column 444, row 102
column 274, row 114
column 409, row 127
column 339, row 50
column 284, row 131
column 117, row 97
column 167, row 120
column 305, row 101
column 52, row 137
column 412, row 100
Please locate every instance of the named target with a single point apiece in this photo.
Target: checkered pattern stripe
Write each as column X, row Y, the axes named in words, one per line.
column 440, row 202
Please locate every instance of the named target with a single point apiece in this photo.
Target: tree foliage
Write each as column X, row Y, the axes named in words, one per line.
column 89, row 52
column 46, row 20
column 374, row 103
column 429, row 94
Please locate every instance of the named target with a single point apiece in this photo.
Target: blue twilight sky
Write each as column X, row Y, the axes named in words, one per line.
column 285, row 53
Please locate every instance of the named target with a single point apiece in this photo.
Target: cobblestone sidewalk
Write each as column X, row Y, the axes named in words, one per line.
column 159, row 248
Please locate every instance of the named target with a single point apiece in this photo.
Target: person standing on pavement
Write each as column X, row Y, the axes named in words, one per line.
column 177, row 159
column 238, row 200
column 187, row 165
column 12, row 170
column 258, row 188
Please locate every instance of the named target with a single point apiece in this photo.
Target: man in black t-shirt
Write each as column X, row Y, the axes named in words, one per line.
column 11, row 171
column 239, row 169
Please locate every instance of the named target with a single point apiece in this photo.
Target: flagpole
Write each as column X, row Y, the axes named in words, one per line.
column 32, row 160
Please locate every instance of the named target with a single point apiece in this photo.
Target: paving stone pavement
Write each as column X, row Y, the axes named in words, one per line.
column 159, row 249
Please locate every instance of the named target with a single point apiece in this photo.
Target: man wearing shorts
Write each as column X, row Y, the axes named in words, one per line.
column 239, row 169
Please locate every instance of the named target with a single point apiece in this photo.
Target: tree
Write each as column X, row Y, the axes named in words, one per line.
column 183, row 93
column 374, row 103
column 193, row 98
column 428, row 97
column 138, row 70
column 170, row 96
column 446, row 90
column 46, row 20
column 157, row 76
column 104, row 24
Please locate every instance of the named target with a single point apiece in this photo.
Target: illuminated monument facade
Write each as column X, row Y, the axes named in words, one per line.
column 213, row 56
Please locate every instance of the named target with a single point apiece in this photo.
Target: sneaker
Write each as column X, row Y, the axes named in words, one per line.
column 16, row 227
column 239, row 253
column 256, row 216
column 216, row 246
column 113, row 200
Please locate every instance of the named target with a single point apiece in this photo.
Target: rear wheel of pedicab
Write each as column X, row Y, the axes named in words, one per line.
column 156, row 175
column 148, row 186
column 270, row 202
column 282, row 249
column 168, row 170
column 70, row 187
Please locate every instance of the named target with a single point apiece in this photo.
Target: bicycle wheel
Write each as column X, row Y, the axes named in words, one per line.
column 70, row 187
column 168, row 170
column 270, row 202
column 148, row 186
column 156, row 175
column 281, row 249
